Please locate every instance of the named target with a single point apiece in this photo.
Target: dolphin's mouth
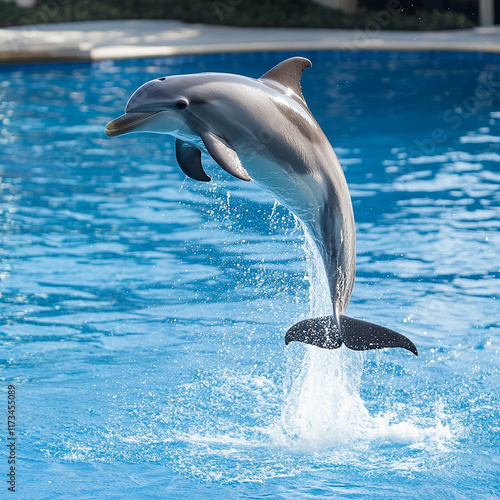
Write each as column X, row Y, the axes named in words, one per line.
column 126, row 123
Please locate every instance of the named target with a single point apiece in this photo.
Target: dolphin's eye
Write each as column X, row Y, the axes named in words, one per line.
column 181, row 104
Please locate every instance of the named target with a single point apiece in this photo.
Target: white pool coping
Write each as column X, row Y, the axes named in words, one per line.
column 101, row 40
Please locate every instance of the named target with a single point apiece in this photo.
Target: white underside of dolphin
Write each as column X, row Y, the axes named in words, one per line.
column 262, row 130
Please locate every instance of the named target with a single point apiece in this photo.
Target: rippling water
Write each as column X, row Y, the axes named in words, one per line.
column 143, row 314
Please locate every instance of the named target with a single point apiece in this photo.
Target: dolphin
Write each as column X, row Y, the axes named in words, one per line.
column 262, row 130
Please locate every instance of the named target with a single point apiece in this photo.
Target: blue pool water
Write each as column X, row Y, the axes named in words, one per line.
column 143, row 315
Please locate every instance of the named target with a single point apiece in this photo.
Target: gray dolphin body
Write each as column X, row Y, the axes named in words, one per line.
column 262, row 130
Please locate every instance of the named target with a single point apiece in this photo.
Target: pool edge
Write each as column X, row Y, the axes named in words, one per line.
column 118, row 40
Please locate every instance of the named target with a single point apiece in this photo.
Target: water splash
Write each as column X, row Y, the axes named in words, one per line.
column 323, row 407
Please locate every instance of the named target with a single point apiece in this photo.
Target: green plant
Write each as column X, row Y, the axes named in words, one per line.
column 263, row 13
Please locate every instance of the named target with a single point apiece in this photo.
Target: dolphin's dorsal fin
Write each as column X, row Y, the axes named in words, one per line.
column 288, row 73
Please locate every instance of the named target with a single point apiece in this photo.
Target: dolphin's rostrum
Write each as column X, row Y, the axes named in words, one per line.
column 262, row 130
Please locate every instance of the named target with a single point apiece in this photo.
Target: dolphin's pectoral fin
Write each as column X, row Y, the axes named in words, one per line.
column 189, row 159
column 362, row 335
column 288, row 73
column 225, row 156
column 321, row 332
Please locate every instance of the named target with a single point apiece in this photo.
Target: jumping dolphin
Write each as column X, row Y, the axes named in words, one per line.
column 262, row 130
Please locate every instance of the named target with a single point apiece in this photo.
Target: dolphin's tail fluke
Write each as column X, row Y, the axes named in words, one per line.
column 354, row 333
column 321, row 332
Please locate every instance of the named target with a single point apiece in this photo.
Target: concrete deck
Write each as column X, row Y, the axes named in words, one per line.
column 98, row 40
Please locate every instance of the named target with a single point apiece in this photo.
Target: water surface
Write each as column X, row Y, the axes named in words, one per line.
column 143, row 314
